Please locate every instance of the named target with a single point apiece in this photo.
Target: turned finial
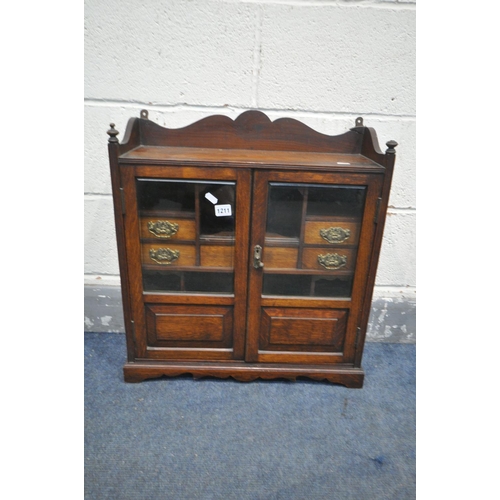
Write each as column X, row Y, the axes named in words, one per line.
column 112, row 133
column 390, row 147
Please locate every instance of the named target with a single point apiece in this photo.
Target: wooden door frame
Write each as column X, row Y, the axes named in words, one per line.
column 256, row 301
column 139, row 298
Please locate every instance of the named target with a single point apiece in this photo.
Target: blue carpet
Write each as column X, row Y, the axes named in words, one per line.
column 185, row 439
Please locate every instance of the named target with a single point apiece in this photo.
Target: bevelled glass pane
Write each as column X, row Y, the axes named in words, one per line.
column 307, row 285
column 286, row 284
column 312, row 234
column 284, row 210
column 333, row 287
column 186, row 281
column 161, row 281
column 209, row 282
column 187, row 227
column 164, row 195
column 217, row 207
column 336, row 201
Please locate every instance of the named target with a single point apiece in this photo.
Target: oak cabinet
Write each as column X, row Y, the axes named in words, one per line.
column 247, row 248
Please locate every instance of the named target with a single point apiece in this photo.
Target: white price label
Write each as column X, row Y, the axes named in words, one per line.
column 211, row 198
column 223, row 210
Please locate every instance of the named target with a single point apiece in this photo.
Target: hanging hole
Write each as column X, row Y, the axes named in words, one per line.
column 144, row 114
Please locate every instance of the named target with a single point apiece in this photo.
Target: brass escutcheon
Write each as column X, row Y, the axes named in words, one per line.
column 332, row 260
column 164, row 256
column 163, row 228
column 335, row 234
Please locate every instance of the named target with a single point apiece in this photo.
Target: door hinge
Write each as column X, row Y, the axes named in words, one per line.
column 132, row 327
column 122, row 197
column 358, row 331
column 377, row 210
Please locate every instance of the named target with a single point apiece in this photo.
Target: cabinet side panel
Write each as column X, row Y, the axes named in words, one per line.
column 389, row 160
column 116, row 184
column 363, row 259
column 133, row 248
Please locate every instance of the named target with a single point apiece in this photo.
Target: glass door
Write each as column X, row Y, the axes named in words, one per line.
column 311, row 252
column 187, row 240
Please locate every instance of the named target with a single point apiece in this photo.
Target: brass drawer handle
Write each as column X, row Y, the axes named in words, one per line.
column 164, row 256
column 335, row 234
column 163, row 228
column 332, row 260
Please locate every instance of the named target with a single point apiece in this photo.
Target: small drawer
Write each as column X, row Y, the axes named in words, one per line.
column 217, row 256
column 169, row 255
column 328, row 259
column 280, row 257
column 335, row 232
column 168, row 228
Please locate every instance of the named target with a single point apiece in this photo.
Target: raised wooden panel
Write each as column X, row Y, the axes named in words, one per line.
column 335, row 231
column 189, row 326
column 180, row 327
column 293, row 329
column 154, row 227
column 301, row 331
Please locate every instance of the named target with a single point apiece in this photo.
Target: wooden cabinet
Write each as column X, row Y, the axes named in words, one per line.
column 247, row 248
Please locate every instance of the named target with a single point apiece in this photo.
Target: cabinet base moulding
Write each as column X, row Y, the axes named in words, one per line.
column 348, row 376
